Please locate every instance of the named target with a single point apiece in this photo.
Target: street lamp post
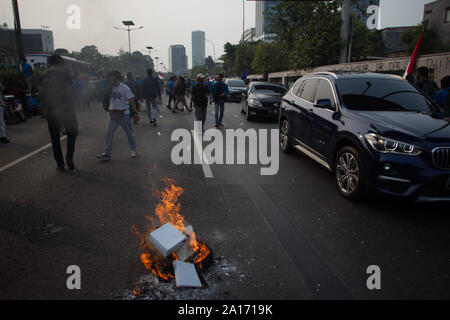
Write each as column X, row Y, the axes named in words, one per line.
column 156, row 58
column 128, row 24
column 214, row 48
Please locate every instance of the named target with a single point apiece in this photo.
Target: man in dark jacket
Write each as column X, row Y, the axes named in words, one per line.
column 151, row 91
column 56, row 97
column 199, row 96
column 135, row 88
column 180, row 94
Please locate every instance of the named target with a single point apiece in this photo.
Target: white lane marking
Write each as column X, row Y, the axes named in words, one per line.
column 199, row 148
column 11, row 164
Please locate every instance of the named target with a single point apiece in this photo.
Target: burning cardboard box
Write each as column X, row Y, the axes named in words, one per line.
column 186, row 275
column 167, row 239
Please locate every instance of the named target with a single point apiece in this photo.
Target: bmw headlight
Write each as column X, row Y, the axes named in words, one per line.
column 254, row 103
column 385, row 145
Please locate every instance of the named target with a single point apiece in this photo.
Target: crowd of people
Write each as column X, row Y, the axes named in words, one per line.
column 61, row 94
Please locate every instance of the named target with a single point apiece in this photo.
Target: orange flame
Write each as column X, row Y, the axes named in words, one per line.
column 168, row 211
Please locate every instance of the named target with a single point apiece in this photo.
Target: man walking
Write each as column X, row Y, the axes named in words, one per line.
column 121, row 99
column 170, row 92
column 56, row 97
column 135, row 88
column 199, row 96
column 219, row 93
column 180, row 95
column 151, row 91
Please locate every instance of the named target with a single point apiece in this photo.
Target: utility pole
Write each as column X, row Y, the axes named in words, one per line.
column 243, row 20
column 18, row 29
column 345, row 31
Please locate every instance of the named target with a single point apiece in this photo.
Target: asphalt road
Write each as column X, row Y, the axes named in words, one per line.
column 288, row 236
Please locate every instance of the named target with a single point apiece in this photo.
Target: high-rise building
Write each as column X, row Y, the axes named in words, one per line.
column 177, row 59
column 263, row 9
column 198, row 48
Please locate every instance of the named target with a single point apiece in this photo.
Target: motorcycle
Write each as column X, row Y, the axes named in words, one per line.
column 14, row 112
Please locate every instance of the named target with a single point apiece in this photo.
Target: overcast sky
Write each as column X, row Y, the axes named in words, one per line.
column 165, row 22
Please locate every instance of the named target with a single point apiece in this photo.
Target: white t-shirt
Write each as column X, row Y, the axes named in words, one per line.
column 120, row 98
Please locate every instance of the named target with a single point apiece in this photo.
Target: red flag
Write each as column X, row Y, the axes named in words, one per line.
column 412, row 62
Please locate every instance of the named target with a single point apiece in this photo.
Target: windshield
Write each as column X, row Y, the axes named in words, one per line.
column 382, row 95
column 236, row 83
column 265, row 88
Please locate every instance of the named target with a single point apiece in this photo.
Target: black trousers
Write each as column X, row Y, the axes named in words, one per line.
column 70, row 124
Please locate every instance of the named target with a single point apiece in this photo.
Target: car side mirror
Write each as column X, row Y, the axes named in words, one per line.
column 324, row 104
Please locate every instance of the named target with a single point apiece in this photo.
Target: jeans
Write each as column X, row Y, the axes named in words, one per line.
column 220, row 109
column 125, row 123
column 152, row 108
column 2, row 123
column 70, row 124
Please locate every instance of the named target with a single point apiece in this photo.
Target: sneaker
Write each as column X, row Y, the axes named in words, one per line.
column 133, row 154
column 220, row 124
column 60, row 168
column 4, row 140
column 154, row 122
column 217, row 125
column 103, row 156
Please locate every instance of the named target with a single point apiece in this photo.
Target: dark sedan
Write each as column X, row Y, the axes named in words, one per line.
column 375, row 132
column 262, row 99
column 235, row 87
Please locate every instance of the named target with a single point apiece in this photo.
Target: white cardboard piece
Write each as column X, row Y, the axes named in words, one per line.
column 167, row 239
column 185, row 275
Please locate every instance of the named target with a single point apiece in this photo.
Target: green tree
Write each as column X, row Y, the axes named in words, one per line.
column 430, row 42
column 269, row 57
column 198, row 69
column 210, row 64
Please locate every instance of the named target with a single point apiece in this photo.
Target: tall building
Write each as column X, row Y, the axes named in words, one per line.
column 177, row 59
column 263, row 9
column 198, row 48
column 438, row 15
column 34, row 40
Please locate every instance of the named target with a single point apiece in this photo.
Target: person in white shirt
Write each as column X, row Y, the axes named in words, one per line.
column 121, row 100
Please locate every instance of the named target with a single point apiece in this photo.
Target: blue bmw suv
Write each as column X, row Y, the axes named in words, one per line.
column 376, row 133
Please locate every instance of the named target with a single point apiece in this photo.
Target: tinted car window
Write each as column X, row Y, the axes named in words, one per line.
column 269, row 88
column 324, row 91
column 298, row 87
column 236, row 83
column 308, row 90
column 382, row 95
